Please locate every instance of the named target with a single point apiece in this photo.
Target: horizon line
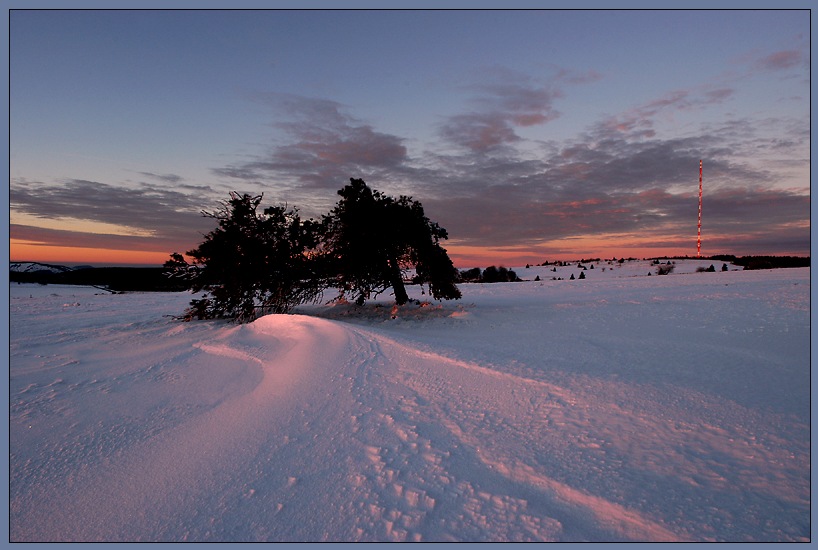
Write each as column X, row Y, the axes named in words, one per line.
column 577, row 259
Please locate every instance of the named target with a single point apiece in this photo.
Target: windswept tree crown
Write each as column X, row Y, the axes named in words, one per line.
column 371, row 239
column 269, row 263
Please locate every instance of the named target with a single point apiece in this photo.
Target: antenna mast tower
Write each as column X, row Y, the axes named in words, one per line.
column 699, row 236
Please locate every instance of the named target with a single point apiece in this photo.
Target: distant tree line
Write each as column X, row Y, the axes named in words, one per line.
column 111, row 279
column 271, row 261
column 764, row 262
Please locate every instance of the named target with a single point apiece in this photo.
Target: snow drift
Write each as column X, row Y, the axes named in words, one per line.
column 613, row 408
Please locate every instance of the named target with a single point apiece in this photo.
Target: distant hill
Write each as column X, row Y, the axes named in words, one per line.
column 115, row 279
column 35, row 267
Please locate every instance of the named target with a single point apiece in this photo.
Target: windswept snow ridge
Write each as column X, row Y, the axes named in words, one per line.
column 607, row 409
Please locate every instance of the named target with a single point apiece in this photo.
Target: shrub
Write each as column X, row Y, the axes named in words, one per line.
column 664, row 269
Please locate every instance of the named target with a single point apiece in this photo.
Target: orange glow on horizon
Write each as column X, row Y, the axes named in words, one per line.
column 514, row 259
column 463, row 256
column 22, row 251
column 570, row 249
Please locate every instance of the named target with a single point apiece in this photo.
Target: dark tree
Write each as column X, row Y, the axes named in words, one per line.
column 494, row 274
column 369, row 239
column 251, row 263
column 471, row 275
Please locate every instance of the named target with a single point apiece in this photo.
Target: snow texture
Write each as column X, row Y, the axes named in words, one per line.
column 619, row 407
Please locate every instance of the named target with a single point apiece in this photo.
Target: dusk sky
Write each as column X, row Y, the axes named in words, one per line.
column 528, row 135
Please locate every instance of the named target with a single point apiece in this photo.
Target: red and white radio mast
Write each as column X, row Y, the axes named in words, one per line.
column 699, row 237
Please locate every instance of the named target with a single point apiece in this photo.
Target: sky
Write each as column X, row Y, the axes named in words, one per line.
column 530, row 136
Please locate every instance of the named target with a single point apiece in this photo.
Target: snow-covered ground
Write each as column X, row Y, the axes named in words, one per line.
column 618, row 407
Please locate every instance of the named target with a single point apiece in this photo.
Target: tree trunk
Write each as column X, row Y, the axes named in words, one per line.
column 396, row 278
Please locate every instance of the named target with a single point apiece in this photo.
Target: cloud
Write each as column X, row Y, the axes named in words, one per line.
column 175, row 242
column 718, row 95
column 505, row 100
column 608, row 181
column 571, row 76
column 326, row 146
column 167, row 178
column 493, row 189
column 755, row 210
column 639, row 121
column 479, row 132
column 164, row 214
column 618, row 176
column 779, row 60
column 505, row 216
